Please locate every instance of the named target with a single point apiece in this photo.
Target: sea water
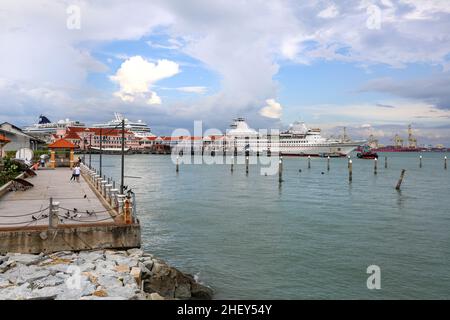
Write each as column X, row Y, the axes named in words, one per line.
column 313, row 237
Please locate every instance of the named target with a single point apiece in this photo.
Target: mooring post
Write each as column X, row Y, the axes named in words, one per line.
column 309, row 162
column 280, row 170
column 350, row 171
column 445, row 162
column 328, row 163
column 246, row 165
column 178, row 165
column 53, row 214
column 375, row 166
column 420, row 162
column 385, row 163
column 399, row 183
column 232, row 164
column 348, row 161
column 50, row 214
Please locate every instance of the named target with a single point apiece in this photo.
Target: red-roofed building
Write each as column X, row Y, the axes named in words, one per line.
column 86, row 138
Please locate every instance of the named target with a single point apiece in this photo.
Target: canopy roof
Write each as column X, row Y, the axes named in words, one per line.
column 62, row 144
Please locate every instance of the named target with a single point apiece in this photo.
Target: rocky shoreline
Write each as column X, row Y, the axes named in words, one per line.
column 95, row 275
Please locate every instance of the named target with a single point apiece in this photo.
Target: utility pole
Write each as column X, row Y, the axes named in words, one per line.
column 90, row 151
column 101, row 149
column 123, row 157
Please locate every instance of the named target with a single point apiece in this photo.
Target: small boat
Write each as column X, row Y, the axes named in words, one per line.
column 367, row 153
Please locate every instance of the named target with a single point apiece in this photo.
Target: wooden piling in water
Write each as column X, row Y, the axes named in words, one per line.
column 420, row 162
column 246, row 165
column 399, row 183
column 375, row 166
column 385, row 163
column 348, row 161
column 280, row 170
column 232, row 164
column 178, row 166
column 309, row 162
column 445, row 162
column 350, row 171
column 328, row 163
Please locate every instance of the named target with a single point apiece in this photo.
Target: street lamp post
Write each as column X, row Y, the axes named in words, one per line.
column 123, row 158
column 101, row 150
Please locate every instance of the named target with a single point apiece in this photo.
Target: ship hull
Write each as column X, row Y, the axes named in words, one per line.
column 316, row 151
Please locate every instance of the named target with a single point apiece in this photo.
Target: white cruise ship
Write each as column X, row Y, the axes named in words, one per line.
column 140, row 129
column 298, row 140
column 45, row 127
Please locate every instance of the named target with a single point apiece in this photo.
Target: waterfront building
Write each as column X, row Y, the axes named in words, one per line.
column 18, row 139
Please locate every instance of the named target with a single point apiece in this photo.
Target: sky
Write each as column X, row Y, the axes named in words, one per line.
column 373, row 66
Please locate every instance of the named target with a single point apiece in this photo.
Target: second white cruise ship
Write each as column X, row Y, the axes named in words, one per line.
column 298, row 140
column 140, row 129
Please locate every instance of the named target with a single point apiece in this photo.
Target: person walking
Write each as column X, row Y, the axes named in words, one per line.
column 77, row 173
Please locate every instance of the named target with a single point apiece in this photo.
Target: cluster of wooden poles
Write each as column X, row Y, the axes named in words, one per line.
column 350, row 168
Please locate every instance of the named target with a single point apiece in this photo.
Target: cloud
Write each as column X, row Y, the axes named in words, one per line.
column 330, row 12
column 193, row 89
column 272, row 110
column 243, row 45
column 384, row 106
column 432, row 90
column 136, row 75
column 405, row 111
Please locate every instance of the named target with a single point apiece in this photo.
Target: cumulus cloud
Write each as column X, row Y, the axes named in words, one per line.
column 136, row 76
column 330, row 12
column 272, row 110
column 193, row 89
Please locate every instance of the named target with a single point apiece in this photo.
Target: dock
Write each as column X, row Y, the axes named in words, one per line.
column 57, row 214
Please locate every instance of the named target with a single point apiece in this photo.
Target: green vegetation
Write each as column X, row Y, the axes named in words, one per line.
column 9, row 169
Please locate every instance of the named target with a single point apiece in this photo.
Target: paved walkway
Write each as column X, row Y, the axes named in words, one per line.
column 15, row 207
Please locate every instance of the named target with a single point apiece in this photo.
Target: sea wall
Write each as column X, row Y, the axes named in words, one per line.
column 95, row 275
column 77, row 237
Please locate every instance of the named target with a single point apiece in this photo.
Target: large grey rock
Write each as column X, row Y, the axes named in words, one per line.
column 127, row 292
column 26, row 259
column 105, row 268
column 135, row 252
column 48, row 292
column 21, row 274
column 128, row 280
column 3, row 259
column 50, row 281
column 109, row 281
column 4, row 283
column 22, row 292
column 148, row 264
column 58, row 268
column 122, row 260
column 90, row 256
column 86, row 266
column 4, row 267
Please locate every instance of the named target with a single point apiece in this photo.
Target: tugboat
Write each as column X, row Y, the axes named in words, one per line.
column 367, row 153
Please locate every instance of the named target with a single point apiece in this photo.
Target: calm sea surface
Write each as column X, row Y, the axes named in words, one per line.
column 312, row 238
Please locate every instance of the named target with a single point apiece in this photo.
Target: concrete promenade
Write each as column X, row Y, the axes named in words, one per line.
column 16, row 207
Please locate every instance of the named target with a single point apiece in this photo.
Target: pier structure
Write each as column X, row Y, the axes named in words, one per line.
column 57, row 214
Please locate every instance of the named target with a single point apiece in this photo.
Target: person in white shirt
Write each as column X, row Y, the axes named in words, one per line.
column 77, row 172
